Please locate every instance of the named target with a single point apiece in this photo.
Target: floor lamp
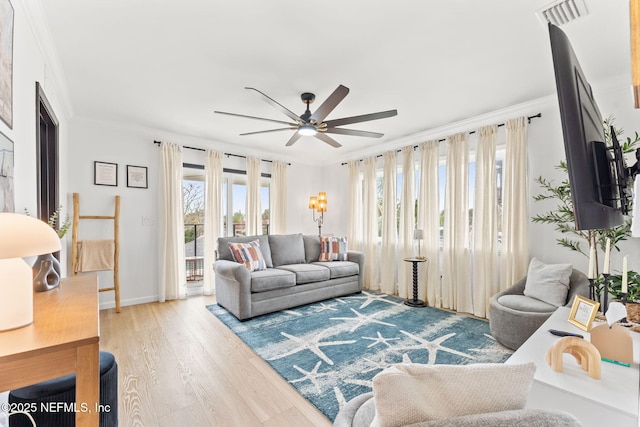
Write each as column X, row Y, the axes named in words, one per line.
column 318, row 204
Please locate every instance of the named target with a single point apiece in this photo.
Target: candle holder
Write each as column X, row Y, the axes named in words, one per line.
column 624, row 302
column 592, row 290
column 605, row 297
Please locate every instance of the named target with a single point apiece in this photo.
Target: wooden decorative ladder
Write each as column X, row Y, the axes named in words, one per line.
column 116, row 240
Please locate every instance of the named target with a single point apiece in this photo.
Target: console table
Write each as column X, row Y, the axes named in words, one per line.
column 63, row 339
column 415, row 302
column 609, row 401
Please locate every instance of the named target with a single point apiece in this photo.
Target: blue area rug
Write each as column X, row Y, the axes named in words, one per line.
column 331, row 350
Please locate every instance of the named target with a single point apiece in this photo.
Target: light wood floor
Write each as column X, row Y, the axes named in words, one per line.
column 179, row 365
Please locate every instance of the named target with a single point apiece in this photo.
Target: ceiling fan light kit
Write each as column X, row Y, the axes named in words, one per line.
column 314, row 124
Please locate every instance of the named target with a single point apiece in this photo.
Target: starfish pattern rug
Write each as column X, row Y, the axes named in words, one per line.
column 331, row 350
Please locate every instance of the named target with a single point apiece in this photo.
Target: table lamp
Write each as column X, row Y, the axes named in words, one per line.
column 22, row 236
column 418, row 235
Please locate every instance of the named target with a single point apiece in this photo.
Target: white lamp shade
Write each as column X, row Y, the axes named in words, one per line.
column 418, row 234
column 23, row 236
column 16, row 294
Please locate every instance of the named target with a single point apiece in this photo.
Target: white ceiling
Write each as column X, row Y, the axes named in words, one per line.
column 168, row 64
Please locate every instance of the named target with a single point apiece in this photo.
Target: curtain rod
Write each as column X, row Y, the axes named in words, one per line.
column 444, row 139
column 226, row 154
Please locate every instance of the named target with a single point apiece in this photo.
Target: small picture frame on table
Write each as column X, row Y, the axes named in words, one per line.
column 105, row 174
column 583, row 311
column 137, row 176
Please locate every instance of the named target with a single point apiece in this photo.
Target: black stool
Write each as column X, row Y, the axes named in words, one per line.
column 60, row 394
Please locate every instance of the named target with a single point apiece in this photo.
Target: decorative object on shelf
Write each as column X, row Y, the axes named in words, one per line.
column 137, row 177
column 46, row 278
column 585, row 353
column 583, row 311
column 612, row 340
column 22, row 236
column 318, row 204
column 60, row 227
column 105, row 174
column 418, row 235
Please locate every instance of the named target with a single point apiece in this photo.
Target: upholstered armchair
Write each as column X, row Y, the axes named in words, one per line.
column 514, row 317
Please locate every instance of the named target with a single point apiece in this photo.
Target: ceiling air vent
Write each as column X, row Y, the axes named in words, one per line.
column 562, row 12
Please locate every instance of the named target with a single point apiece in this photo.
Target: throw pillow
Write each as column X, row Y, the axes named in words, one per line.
column 548, row 282
column 333, row 248
column 248, row 254
column 411, row 393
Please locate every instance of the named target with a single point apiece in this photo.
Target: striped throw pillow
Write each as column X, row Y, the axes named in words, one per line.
column 333, row 249
column 248, row 254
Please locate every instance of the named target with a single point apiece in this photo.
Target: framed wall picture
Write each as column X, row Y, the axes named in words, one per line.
column 7, row 199
column 105, row 174
column 137, row 176
column 6, row 62
column 583, row 311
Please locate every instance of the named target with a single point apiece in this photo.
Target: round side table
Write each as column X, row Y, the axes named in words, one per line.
column 415, row 302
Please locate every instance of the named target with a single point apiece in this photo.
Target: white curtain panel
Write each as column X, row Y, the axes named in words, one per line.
column 407, row 223
column 370, row 236
column 253, row 219
column 389, row 224
column 514, row 259
column 456, row 288
column 429, row 289
column 213, row 215
column 485, row 223
column 278, row 199
column 173, row 276
column 355, row 223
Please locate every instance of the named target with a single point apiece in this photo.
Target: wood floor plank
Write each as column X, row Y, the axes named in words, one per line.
column 179, row 365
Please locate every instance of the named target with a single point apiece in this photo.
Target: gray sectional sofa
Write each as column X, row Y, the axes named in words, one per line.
column 293, row 277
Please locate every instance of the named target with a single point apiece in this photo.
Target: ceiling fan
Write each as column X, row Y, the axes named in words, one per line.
column 313, row 124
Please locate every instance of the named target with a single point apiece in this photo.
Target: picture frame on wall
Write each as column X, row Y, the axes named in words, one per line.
column 6, row 62
column 7, row 194
column 137, row 177
column 105, row 173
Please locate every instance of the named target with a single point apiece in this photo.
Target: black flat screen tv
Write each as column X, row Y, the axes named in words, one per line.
column 597, row 173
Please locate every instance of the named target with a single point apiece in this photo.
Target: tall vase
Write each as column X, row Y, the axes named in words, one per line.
column 45, row 275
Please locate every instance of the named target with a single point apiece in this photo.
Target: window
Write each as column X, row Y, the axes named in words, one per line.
column 235, row 204
column 193, row 213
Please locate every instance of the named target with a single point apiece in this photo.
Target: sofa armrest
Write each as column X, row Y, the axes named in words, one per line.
column 233, row 287
column 516, row 289
column 358, row 258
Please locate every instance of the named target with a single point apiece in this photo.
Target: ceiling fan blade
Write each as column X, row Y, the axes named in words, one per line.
column 354, row 132
column 267, row 131
column 257, row 118
column 296, row 136
column 329, row 104
column 326, row 138
column 274, row 103
column 362, row 118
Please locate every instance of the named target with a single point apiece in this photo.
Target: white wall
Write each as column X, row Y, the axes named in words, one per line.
column 91, row 140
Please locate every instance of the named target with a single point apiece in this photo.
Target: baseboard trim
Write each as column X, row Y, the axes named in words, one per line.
column 125, row 302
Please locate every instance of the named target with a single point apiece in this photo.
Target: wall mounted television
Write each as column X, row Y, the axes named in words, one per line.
column 598, row 176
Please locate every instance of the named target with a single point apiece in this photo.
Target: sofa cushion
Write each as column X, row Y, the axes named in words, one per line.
column 248, row 254
column 333, row 248
column 548, row 282
column 270, row 279
column 311, row 248
column 340, row 268
column 307, row 273
column 523, row 303
column 410, row 393
column 225, row 253
column 286, row 249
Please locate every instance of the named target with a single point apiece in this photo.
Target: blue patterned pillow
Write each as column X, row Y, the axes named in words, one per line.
column 333, row 249
column 248, row 254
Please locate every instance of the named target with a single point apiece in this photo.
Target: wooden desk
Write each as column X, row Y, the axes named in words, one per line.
column 63, row 339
